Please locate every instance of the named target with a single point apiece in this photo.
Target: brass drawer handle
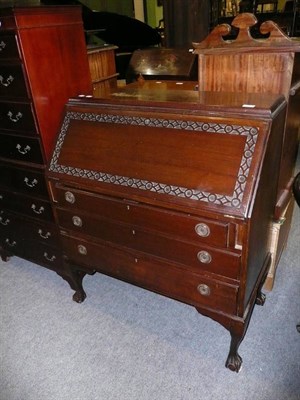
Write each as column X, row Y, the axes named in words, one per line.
column 203, row 289
column 15, row 118
column 77, row 221
column 204, row 257
column 202, row 230
column 25, row 150
column 37, row 211
column 47, row 235
column 2, row 45
column 6, row 222
column 8, row 81
column 51, row 259
column 10, row 243
column 33, row 183
column 70, row 198
column 82, row 250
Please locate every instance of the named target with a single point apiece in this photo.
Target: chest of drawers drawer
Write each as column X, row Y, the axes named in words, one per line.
column 20, row 148
column 18, row 228
column 6, row 23
column 172, row 223
column 156, row 275
column 17, row 117
column 30, row 206
column 24, row 180
column 8, row 47
column 37, row 252
column 12, row 81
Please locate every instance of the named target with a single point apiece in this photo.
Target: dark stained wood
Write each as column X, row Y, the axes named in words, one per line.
column 162, row 64
column 171, row 191
column 43, row 62
column 102, row 67
column 185, row 21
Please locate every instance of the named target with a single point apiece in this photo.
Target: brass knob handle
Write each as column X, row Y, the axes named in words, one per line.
column 202, row 230
column 70, row 198
column 77, row 221
column 203, row 289
column 204, row 257
column 82, row 250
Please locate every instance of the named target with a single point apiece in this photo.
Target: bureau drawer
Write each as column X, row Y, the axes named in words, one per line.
column 152, row 274
column 20, row 148
column 169, row 222
column 20, row 228
column 194, row 256
column 30, row 206
column 8, row 47
column 24, row 180
column 17, row 117
column 12, row 82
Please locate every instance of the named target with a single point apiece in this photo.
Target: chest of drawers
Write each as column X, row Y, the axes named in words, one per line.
column 42, row 64
column 174, row 192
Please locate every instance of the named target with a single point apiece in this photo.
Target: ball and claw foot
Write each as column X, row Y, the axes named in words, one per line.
column 234, row 362
column 79, row 296
column 260, row 299
column 5, row 257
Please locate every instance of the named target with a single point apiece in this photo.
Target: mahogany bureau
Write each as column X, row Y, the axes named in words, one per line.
column 172, row 191
column 42, row 64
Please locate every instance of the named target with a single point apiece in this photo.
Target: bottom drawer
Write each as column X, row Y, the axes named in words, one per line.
column 153, row 274
column 36, row 252
column 18, row 228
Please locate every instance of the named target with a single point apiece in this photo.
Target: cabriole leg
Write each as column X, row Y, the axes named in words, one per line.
column 74, row 279
column 5, row 255
column 234, row 360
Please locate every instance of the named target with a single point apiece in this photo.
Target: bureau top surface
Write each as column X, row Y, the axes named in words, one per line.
column 185, row 95
column 167, row 152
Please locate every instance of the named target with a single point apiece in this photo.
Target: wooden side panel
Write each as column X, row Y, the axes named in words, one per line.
column 56, row 64
column 249, row 73
column 264, row 207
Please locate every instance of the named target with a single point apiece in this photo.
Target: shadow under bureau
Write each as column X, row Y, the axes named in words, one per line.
column 172, row 191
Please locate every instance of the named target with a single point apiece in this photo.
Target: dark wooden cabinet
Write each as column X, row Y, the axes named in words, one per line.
column 43, row 62
column 173, row 191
